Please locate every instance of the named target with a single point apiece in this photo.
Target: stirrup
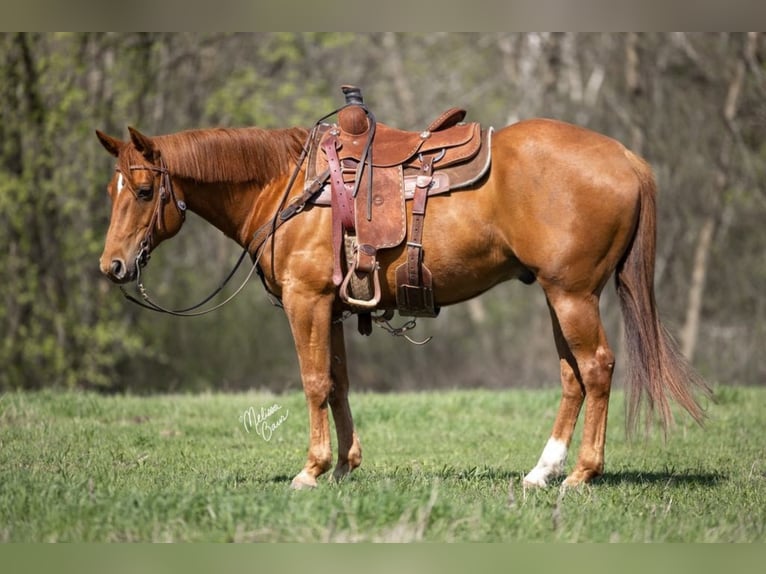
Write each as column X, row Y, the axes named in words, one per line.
column 361, row 303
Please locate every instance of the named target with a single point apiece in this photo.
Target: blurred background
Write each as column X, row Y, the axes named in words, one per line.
column 694, row 105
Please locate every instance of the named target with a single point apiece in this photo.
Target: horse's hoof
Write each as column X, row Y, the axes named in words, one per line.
column 341, row 471
column 572, row 482
column 303, row 481
column 338, row 477
column 579, row 478
column 535, row 479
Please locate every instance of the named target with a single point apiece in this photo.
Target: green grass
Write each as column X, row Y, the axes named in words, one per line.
column 438, row 467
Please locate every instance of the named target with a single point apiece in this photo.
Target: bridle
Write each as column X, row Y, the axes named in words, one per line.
column 258, row 240
column 165, row 194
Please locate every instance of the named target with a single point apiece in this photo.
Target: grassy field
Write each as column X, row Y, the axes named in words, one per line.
column 438, row 467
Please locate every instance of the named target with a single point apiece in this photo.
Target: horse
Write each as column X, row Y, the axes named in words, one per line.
column 561, row 206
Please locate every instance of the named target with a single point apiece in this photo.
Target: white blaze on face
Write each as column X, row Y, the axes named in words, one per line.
column 120, row 183
column 551, row 463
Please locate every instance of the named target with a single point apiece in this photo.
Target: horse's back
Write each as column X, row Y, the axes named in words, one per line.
column 571, row 197
column 559, row 204
column 540, row 147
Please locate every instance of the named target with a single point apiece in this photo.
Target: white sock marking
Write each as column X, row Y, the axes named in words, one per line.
column 551, row 463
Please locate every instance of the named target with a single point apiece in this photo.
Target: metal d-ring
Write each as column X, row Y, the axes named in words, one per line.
column 439, row 157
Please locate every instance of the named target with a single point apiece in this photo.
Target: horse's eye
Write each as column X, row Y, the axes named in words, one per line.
column 145, row 193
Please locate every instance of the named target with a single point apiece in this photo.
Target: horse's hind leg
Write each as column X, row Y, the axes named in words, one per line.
column 587, row 364
column 551, row 462
column 349, row 448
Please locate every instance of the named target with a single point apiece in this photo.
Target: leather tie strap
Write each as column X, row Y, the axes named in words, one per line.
column 415, row 244
column 342, row 205
column 342, row 196
column 414, row 283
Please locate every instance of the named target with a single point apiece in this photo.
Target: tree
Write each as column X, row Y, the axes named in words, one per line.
column 693, row 104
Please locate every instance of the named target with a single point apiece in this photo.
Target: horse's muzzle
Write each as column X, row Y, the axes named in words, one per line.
column 118, row 271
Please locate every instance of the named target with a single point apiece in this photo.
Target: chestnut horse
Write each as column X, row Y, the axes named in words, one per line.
column 561, row 205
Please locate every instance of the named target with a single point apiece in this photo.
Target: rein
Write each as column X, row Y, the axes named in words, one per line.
column 261, row 235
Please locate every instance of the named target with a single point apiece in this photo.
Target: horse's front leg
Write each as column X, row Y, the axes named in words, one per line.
column 349, row 448
column 310, row 320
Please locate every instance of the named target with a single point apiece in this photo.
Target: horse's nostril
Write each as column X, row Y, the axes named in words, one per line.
column 117, row 269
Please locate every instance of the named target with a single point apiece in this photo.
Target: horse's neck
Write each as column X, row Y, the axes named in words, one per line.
column 231, row 177
column 236, row 209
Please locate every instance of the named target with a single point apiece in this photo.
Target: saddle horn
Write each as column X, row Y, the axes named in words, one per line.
column 353, row 94
column 353, row 118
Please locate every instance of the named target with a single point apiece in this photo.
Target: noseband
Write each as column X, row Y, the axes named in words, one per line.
column 165, row 193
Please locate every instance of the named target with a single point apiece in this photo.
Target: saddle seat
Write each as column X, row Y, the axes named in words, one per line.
column 366, row 171
column 392, row 147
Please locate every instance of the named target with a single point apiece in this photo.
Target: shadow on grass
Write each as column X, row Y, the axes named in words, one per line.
column 408, row 473
column 664, row 477
column 451, row 473
column 637, row 477
column 491, row 474
column 477, row 473
column 280, row 479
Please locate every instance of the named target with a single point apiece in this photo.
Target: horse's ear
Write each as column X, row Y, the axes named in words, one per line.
column 112, row 145
column 143, row 143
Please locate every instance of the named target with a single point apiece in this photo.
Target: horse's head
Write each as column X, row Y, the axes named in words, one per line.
column 146, row 209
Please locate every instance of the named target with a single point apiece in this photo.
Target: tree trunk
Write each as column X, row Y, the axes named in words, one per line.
column 690, row 332
column 395, row 63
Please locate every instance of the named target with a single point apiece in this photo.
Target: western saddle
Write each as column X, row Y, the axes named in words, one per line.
column 372, row 170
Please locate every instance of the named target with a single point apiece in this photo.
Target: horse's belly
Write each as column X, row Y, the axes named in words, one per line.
column 465, row 254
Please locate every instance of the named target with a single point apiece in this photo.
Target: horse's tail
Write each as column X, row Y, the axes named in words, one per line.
column 656, row 367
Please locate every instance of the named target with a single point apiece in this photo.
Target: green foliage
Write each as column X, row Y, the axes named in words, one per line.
column 437, row 467
column 280, row 91
column 58, row 328
column 63, row 325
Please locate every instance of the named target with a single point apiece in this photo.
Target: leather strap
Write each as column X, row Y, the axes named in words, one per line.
column 342, row 205
column 165, row 193
column 342, row 196
column 415, row 244
column 414, row 283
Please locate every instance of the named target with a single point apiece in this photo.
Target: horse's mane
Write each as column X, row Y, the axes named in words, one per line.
column 231, row 155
